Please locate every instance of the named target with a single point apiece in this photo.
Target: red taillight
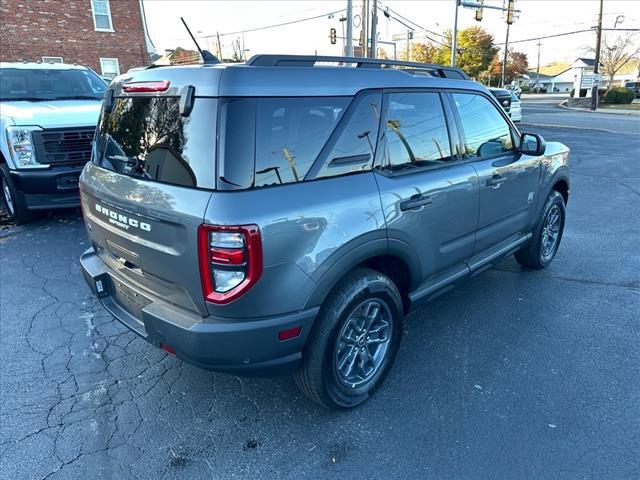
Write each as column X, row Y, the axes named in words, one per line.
column 143, row 87
column 230, row 260
column 227, row 256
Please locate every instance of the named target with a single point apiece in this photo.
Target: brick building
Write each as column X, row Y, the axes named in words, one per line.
column 107, row 36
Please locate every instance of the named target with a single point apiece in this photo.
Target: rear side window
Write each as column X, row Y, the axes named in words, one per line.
column 290, row 133
column 148, row 138
column 354, row 146
column 416, row 131
column 486, row 132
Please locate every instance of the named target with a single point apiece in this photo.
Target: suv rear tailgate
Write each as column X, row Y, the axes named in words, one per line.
column 147, row 232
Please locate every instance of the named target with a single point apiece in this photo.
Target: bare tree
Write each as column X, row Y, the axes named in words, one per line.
column 238, row 50
column 616, row 53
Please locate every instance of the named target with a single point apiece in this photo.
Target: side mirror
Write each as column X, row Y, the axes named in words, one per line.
column 532, row 144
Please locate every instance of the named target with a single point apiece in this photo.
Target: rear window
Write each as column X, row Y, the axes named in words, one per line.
column 148, row 138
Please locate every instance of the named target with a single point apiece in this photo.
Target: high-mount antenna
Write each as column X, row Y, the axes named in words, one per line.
column 207, row 56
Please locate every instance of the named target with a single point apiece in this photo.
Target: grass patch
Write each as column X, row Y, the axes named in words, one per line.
column 628, row 106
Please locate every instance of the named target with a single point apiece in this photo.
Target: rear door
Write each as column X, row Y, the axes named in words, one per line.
column 429, row 197
column 508, row 181
column 146, row 191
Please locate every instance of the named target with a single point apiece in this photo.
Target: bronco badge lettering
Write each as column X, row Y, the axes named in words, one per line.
column 122, row 221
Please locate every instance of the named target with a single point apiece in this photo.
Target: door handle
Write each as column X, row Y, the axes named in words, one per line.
column 495, row 181
column 416, row 201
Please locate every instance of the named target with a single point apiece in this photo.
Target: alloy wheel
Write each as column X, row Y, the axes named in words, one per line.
column 363, row 343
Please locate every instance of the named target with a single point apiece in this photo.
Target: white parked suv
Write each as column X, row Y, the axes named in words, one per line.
column 48, row 114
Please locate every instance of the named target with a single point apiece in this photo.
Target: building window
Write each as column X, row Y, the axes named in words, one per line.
column 110, row 67
column 101, row 15
column 52, row 60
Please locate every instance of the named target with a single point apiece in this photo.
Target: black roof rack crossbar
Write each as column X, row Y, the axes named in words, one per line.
column 270, row 60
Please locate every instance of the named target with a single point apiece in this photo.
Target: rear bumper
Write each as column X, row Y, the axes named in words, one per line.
column 229, row 345
column 48, row 189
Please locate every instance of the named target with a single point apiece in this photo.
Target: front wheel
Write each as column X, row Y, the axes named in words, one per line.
column 543, row 246
column 354, row 341
column 14, row 203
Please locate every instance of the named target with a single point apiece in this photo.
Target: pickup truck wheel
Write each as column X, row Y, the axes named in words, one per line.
column 353, row 342
column 542, row 248
column 17, row 210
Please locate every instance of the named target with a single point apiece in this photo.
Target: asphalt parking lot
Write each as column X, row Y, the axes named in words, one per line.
column 516, row 374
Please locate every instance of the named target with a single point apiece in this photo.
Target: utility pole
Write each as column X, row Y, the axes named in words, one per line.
column 219, row 47
column 538, row 69
column 454, row 37
column 364, row 24
column 374, row 30
column 596, row 67
column 349, row 52
column 510, row 16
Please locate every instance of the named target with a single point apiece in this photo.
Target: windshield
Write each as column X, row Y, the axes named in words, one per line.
column 50, row 84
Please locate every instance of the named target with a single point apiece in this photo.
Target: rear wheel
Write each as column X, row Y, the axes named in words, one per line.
column 542, row 248
column 354, row 341
column 14, row 203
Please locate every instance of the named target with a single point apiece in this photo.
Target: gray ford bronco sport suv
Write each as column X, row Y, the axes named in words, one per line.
column 283, row 215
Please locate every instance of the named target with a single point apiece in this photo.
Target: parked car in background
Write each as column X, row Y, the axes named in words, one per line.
column 516, row 108
column 515, row 89
column 503, row 96
column 277, row 216
column 635, row 86
column 48, row 114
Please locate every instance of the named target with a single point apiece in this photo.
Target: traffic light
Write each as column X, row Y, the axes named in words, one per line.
column 511, row 5
column 478, row 15
column 332, row 36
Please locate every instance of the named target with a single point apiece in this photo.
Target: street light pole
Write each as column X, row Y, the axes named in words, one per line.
column 454, row 37
column 349, row 50
column 538, row 69
column 594, row 86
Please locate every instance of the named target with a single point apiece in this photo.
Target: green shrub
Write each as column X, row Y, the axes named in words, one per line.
column 525, row 89
column 619, row 95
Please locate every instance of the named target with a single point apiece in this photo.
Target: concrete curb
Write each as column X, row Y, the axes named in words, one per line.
column 601, row 110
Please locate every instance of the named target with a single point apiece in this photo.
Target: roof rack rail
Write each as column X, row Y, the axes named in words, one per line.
column 271, row 60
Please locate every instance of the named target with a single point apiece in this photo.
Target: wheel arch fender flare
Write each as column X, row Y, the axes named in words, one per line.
column 349, row 256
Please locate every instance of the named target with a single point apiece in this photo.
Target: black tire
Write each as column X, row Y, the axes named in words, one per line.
column 534, row 254
column 12, row 200
column 318, row 376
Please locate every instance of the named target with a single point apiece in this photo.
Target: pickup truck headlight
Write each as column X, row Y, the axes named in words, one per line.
column 21, row 147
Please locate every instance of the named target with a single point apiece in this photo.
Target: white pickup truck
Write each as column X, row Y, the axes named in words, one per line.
column 48, row 114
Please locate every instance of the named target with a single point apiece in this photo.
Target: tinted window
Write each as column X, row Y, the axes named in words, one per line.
column 290, row 132
column 53, row 84
column 487, row 132
column 146, row 137
column 236, row 137
column 416, row 131
column 353, row 149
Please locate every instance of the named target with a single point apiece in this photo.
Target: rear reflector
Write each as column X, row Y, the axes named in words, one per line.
column 142, row 87
column 168, row 349
column 289, row 333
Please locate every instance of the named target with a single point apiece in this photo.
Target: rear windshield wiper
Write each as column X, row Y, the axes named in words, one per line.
column 135, row 164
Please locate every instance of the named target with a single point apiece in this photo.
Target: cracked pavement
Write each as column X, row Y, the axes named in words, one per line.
column 515, row 374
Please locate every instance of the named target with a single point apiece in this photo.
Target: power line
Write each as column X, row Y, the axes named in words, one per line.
column 291, row 22
column 417, row 25
column 571, row 33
